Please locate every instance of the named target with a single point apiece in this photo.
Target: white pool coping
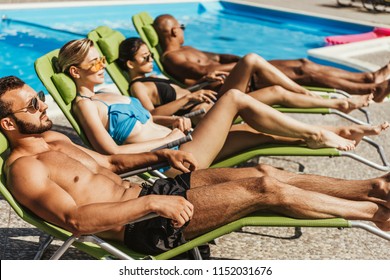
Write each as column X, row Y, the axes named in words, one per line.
column 359, row 55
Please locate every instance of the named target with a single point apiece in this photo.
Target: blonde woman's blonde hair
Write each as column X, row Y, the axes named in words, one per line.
column 73, row 53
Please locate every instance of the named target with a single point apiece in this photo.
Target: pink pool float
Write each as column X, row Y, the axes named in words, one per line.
column 378, row 32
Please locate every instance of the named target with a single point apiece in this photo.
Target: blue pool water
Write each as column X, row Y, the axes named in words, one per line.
column 214, row 26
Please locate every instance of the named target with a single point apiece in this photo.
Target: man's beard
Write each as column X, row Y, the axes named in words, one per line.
column 29, row 128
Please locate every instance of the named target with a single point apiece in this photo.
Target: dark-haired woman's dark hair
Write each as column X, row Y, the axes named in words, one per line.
column 127, row 50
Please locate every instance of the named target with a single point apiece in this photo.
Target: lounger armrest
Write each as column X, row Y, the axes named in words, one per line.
column 195, row 113
column 175, row 143
column 199, row 86
column 144, row 170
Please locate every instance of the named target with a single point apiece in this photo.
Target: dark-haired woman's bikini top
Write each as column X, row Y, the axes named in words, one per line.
column 123, row 117
column 164, row 89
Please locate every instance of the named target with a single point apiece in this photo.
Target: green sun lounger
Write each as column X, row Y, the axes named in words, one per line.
column 143, row 25
column 103, row 249
column 107, row 43
column 63, row 90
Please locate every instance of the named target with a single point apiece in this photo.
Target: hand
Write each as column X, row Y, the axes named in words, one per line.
column 182, row 123
column 183, row 161
column 173, row 207
column 203, row 95
column 174, row 135
column 216, row 76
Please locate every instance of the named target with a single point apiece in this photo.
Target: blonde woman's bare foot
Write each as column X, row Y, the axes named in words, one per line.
column 357, row 132
column 329, row 139
column 355, row 102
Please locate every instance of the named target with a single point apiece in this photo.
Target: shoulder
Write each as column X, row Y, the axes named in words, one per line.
column 26, row 174
column 174, row 56
column 139, row 87
column 84, row 106
column 24, row 165
column 80, row 102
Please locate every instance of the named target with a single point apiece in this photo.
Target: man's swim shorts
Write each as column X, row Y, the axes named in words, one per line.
column 157, row 235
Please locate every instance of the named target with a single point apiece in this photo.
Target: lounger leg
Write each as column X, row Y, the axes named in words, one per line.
column 374, row 230
column 43, row 246
column 58, row 254
column 196, row 253
column 298, row 232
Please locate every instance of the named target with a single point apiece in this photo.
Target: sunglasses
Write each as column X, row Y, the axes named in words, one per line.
column 96, row 65
column 181, row 26
column 147, row 58
column 34, row 105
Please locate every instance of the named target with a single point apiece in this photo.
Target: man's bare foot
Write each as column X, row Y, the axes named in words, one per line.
column 329, row 139
column 355, row 102
column 357, row 132
column 381, row 190
column 382, row 74
column 385, row 226
column 381, row 91
column 382, row 218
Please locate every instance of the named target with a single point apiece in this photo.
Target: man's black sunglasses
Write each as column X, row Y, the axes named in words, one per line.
column 33, row 106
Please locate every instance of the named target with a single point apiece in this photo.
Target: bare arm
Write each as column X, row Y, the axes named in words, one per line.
column 189, row 72
column 122, row 163
column 143, row 93
column 181, row 123
column 175, row 158
column 125, row 162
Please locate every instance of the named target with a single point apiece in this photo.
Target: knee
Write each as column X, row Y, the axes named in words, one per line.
column 271, row 190
column 307, row 64
column 305, row 61
column 252, row 59
column 278, row 90
column 234, row 95
column 279, row 94
column 265, row 169
column 264, row 184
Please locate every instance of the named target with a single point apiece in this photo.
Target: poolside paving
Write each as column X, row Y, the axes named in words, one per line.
column 18, row 240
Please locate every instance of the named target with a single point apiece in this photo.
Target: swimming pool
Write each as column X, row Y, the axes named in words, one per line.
column 219, row 26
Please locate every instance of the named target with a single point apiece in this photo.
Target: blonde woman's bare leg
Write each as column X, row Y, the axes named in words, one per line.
column 211, row 133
